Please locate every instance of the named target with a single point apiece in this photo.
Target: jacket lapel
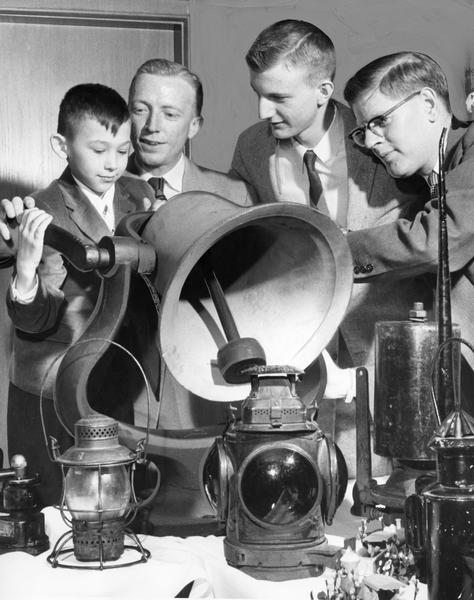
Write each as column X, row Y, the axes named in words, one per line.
column 269, row 173
column 460, row 137
column 81, row 211
column 360, row 173
column 124, row 203
column 192, row 177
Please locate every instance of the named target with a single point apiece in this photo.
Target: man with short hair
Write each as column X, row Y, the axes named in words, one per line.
column 300, row 152
column 401, row 102
column 165, row 102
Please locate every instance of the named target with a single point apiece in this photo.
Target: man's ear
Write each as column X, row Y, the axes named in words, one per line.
column 59, row 145
column 194, row 127
column 431, row 103
column 325, row 91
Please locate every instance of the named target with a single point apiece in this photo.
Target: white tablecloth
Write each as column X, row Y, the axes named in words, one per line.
column 174, row 563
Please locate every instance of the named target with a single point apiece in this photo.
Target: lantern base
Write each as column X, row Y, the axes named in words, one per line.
column 65, row 554
column 282, row 561
column 95, row 540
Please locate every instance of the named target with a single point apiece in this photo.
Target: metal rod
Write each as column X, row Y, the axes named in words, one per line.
column 363, row 446
column 220, row 302
column 445, row 378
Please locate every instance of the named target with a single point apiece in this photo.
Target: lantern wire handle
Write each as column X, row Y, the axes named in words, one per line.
column 457, row 395
column 140, row 457
column 142, row 445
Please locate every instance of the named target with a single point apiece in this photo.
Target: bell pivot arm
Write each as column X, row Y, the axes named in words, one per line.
column 239, row 354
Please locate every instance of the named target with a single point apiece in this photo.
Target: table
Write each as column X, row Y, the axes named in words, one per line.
column 174, row 563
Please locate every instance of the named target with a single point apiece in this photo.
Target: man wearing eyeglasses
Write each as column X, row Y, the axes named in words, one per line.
column 401, row 103
column 300, row 152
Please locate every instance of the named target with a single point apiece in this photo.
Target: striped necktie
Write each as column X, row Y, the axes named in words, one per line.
column 157, row 183
column 315, row 186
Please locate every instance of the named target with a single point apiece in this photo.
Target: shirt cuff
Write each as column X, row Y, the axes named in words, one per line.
column 23, row 298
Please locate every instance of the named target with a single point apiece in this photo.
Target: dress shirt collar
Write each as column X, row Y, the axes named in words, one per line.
column 173, row 178
column 330, row 145
column 99, row 201
column 103, row 203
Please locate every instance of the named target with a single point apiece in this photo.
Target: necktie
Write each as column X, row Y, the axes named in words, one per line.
column 433, row 185
column 315, row 186
column 108, row 218
column 157, row 183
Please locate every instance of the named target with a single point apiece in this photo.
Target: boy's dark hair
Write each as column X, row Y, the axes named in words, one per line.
column 398, row 75
column 92, row 100
column 296, row 43
column 168, row 68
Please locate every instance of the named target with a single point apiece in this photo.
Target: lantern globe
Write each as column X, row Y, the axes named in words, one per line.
column 98, row 495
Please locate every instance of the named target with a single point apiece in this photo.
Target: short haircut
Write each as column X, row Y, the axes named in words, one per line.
column 296, row 43
column 398, row 75
column 168, row 68
column 92, row 100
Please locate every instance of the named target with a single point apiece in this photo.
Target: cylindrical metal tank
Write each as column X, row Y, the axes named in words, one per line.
column 403, row 409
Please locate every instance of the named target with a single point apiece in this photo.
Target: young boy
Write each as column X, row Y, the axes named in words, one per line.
column 49, row 301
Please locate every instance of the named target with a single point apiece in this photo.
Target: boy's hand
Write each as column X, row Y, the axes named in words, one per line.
column 30, row 247
column 13, row 209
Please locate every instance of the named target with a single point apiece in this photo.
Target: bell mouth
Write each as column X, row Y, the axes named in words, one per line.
column 286, row 272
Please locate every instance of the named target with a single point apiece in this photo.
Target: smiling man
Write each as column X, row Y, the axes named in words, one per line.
column 401, row 102
column 300, row 152
column 165, row 102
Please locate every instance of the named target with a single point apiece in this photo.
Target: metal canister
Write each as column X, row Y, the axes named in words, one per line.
column 403, row 408
column 441, row 518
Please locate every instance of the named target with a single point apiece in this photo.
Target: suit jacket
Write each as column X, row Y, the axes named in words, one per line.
column 373, row 198
column 197, row 178
column 65, row 297
column 409, row 247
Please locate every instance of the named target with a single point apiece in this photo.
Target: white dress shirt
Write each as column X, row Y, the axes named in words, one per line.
column 173, row 179
column 331, row 165
column 103, row 203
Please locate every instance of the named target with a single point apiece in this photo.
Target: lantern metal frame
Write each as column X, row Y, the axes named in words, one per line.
column 61, row 550
column 269, row 422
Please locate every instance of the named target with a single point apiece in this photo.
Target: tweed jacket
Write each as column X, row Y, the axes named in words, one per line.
column 373, row 198
column 408, row 247
column 197, row 178
column 65, row 297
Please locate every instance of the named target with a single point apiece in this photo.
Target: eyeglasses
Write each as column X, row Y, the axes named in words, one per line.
column 377, row 124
